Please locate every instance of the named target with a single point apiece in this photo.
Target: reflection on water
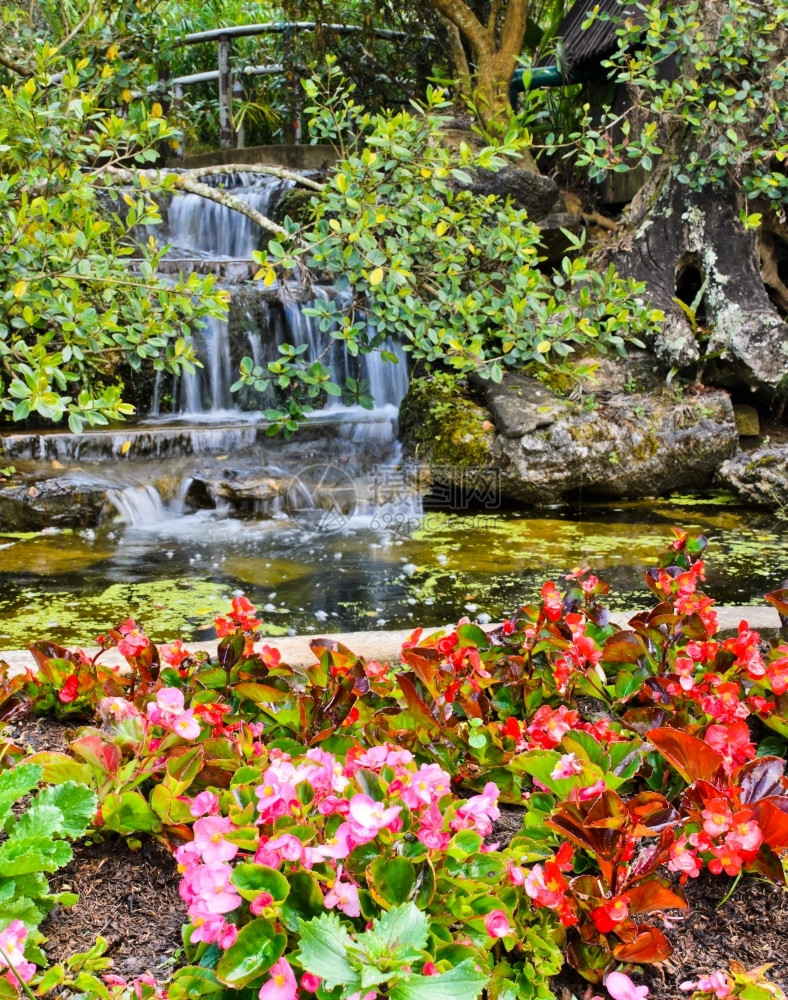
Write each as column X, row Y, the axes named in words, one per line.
column 386, row 567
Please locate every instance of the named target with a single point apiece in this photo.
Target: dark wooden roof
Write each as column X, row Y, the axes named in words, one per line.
column 586, row 49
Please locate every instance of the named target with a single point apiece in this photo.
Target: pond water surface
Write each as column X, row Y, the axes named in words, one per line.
column 369, row 572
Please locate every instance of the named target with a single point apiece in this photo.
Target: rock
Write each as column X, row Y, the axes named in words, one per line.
column 760, row 477
column 537, row 194
column 246, row 490
column 547, row 448
column 748, row 422
column 518, row 404
column 61, row 502
column 553, row 235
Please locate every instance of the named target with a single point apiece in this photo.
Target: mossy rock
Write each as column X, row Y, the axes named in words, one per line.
column 295, row 203
column 441, row 424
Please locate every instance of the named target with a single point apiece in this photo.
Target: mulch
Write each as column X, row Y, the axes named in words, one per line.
column 130, row 898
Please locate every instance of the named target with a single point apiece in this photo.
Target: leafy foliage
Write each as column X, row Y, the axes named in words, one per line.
column 417, row 257
column 35, row 844
column 81, row 303
column 713, row 76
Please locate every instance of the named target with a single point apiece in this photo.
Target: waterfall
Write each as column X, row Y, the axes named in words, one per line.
column 262, row 319
column 205, row 227
column 138, row 506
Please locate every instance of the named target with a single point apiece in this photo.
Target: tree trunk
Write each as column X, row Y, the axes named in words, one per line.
column 494, row 48
column 675, row 240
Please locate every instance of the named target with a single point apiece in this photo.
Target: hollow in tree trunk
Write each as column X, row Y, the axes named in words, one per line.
column 676, row 240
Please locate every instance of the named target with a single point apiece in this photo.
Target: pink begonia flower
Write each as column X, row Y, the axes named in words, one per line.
column 567, row 767
column 336, row 847
column 260, row 903
column 344, row 895
column 325, row 774
column 515, row 873
column 590, row 792
column 211, row 927
column 367, row 817
column 384, row 756
column 288, row 846
column 621, row 987
column 429, row 784
column 210, row 840
column 431, row 833
column 186, row 726
column 309, row 982
column 204, row 803
column 188, row 856
column 167, row 707
column 497, row 924
column 717, row 983
column 12, row 941
column 479, row 812
column 116, row 709
column 211, row 888
column 274, row 796
column 282, row 984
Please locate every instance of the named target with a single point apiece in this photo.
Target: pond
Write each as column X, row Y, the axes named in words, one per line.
column 394, row 568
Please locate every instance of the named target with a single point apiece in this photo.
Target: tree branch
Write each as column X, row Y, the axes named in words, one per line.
column 495, row 10
column 253, row 168
column 185, row 183
column 458, row 57
column 459, row 14
column 513, row 31
column 15, row 67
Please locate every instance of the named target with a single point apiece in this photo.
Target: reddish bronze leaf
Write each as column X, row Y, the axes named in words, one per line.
column 650, row 945
column 623, row 647
column 656, row 894
column 773, row 823
column 692, row 758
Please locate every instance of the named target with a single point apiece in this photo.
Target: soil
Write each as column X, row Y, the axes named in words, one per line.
column 130, row 898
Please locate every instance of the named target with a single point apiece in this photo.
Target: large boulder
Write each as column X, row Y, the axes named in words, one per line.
column 633, row 437
column 67, row 501
column 760, row 477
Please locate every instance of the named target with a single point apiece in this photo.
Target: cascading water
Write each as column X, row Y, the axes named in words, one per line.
column 259, row 323
column 138, row 506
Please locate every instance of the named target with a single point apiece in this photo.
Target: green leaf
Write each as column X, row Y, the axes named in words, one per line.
column 129, row 813
column 304, row 901
column 250, row 880
column 323, row 951
column 460, row 983
column 193, row 981
column 401, row 928
column 16, row 782
column 30, row 854
column 391, row 881
column 77, row 804
column 255, row 950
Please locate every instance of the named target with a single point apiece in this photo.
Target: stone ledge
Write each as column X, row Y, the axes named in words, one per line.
column 386, row 645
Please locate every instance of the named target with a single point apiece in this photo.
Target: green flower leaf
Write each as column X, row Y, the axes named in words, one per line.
column 460, row 983
column 255, row 950
column 323, row 951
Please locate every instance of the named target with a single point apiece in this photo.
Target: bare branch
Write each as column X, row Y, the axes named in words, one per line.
column 468, row 24
column 15, row 67
column 185, row 183
column 458, row 56
column 495, row 10
column 254, row 168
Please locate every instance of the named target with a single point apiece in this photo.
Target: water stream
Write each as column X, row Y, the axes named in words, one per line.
column 326, row 532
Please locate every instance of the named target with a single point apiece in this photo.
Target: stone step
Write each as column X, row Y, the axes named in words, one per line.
column 387, row 645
